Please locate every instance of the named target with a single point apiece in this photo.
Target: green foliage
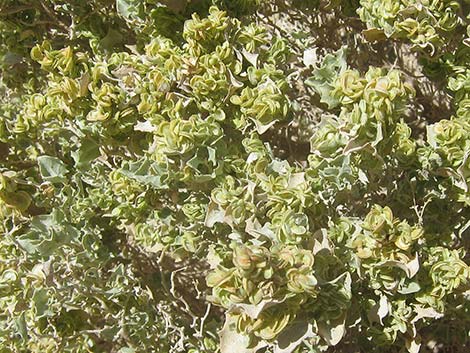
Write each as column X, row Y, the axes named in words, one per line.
column 156, row 197
column 428, row 24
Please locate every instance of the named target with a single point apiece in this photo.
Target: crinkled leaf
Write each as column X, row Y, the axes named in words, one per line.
column 409, row 288
column 290, row 338
column 324, row 75
column 253, row 310
column 21, row 327
column 146, row 173
column 52, row 169
column 40, row 301
column 379, row 311
column 333, row 331
column 410, row 268
column 89, row 150
column 422, row 312
column 214, row 215
column 232, row 341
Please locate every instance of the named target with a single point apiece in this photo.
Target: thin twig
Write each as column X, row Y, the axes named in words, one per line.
column 52, row 15
column 12, row 11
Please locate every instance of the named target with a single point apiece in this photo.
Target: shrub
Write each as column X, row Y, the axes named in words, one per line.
column 234, row 176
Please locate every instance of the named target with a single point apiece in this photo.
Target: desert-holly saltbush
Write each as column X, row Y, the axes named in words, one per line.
column 150, row 202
